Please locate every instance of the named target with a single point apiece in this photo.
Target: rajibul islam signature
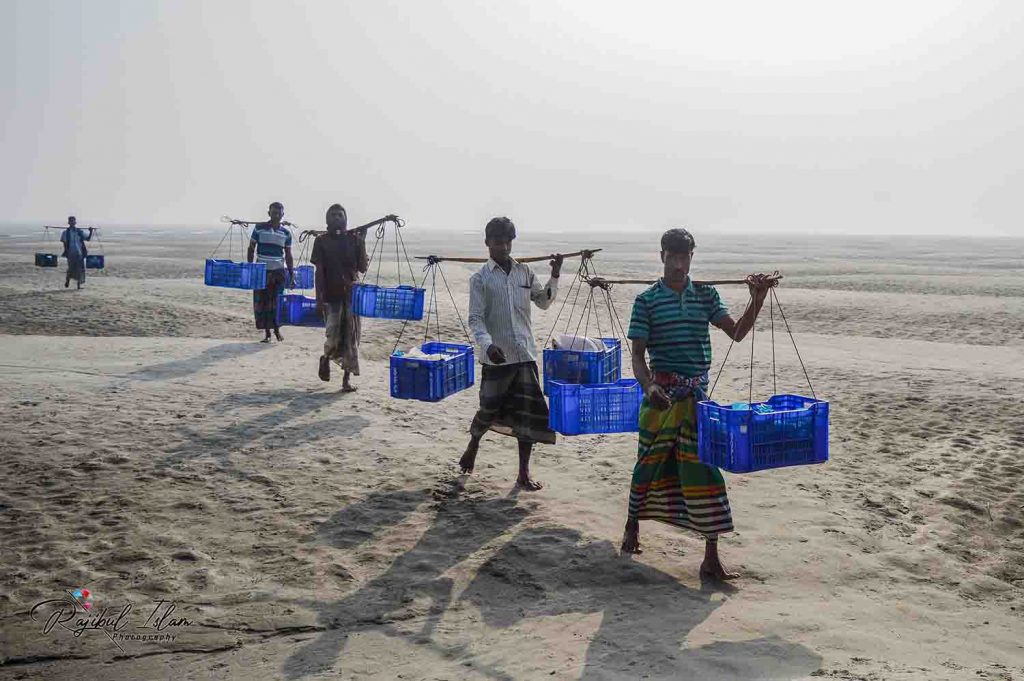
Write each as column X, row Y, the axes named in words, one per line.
column 75, row 613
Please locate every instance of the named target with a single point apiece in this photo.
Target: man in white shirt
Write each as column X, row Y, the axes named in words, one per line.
column 511, row 399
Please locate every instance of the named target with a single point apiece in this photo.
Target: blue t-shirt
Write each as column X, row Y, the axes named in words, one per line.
column 270, row 245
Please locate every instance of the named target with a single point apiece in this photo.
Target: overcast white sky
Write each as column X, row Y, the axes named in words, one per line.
column 886, row 117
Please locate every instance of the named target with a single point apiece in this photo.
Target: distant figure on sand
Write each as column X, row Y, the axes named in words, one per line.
column 271, row 243
column 339, row 257
column 670, row 324
column 511, row 400
column 75, row 251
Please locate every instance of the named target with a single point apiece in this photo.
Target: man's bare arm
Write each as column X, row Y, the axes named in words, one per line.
column 738, row 330
column 639, row 358
column 642, row 372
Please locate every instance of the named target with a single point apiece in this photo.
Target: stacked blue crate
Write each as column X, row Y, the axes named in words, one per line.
column 228, row 274
column 295, row 309
column 584, row 409
column 303, row 278
column 432, row 380
column 575, row 366
column 785, row 430
column 399, row 302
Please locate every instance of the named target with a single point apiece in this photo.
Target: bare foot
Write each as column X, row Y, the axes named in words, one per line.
column 528, row 483
column 468, row 459
column 631, row 538
column 265, row 340
column 277, row 333
column 715, row 570
column 347, row 388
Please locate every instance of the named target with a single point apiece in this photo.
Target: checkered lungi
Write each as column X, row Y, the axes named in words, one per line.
column 512, row 403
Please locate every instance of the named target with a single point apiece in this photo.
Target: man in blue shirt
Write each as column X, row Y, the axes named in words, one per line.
column 271, row 244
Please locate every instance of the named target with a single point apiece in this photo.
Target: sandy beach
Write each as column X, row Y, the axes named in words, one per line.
column 156, row 454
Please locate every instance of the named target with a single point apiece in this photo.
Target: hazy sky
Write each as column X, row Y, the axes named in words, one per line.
column 792, row 116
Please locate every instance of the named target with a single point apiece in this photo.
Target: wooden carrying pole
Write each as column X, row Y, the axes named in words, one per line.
column 246, row 223
column 604, row 283
column 532, row 258
column 361, row 228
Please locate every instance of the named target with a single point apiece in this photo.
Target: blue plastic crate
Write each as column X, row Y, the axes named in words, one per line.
column 581, row 409
column 295, row 309
column 228, row 274
column 303, row 277
column 574, row 366
column 46, row 259
column 94, row 262
column 400, row 302
column 433, row 380
column 739, row 439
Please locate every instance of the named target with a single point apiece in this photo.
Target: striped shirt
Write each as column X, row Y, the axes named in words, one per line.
column 499, row 309
column 270, row 245
column 676, row 326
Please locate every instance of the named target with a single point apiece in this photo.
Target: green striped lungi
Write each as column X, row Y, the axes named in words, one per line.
column 669, row 483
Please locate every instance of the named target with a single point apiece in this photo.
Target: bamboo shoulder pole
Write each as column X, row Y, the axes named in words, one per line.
column 605, row 283
column 532, row 258
column 361, row 228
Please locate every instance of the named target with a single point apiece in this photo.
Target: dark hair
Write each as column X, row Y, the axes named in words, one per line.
column 276, row 203
column 338, row 206
column 677, row 240
column 500, row 228
column 72, row 217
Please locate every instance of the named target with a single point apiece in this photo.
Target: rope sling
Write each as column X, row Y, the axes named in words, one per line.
column 431, row 270
column 585, row 273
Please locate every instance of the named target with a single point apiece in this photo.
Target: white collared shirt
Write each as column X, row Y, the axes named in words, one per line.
column 499, row 310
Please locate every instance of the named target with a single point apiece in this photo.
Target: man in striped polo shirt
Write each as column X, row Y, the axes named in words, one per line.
column 271, row 244
column 670, row 324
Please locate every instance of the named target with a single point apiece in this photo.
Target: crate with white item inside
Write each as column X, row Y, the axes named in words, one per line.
column 448, row 369
column 583, row 366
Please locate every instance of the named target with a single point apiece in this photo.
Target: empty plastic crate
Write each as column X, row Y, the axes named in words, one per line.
column 432, row 380
column 575, row 366
column 582, row 409
column 303, row 277
column 400, row 302
column 739, row 439
column 229, row 274
column 46, row 259
column 295, row 309
column 94, row 262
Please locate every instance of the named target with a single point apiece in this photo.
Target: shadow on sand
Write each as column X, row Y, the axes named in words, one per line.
column 646, row 614
column 272, row 428
column 181, row 368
